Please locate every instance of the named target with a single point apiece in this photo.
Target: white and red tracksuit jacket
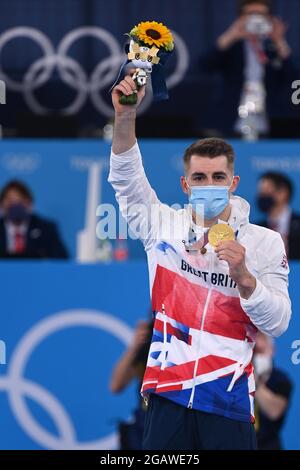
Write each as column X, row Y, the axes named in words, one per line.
column 204, row 332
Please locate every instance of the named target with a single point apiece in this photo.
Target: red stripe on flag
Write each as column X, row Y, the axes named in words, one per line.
column 211, row 363
column 151, row 373
column 249, row 369
column 225, row 317
column 184, row 301
column 177, row 373
column 169, row 388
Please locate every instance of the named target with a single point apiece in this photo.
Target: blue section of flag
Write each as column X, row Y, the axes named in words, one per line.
column 155, row 354
column 179, row 326
column 181, row 397
column 214, row 398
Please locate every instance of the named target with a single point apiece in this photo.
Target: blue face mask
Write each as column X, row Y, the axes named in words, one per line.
column 17, row 213
column 210, row 199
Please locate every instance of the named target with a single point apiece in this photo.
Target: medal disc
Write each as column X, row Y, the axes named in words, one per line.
column 220, row 233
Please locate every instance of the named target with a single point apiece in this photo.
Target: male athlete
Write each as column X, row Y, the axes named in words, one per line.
column 210, row 294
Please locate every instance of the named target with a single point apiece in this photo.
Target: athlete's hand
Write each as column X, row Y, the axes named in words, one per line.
column 125, row 115
column 127, row 86
column 235, row 255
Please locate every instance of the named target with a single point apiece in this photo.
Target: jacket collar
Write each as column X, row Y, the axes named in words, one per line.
column 240, row 212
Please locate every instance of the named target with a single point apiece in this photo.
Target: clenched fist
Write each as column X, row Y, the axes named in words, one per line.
column 127, row 86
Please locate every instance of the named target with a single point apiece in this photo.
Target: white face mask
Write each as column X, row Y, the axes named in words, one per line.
column 262, row 363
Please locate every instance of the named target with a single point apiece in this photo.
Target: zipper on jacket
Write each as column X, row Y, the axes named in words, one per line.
column 239, row 370
column 146, row 401
column 163, row 364
column 190, row 405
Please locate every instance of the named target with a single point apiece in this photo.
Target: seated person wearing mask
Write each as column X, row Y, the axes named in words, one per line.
column 24, row 234
column 275, row 192
column 273, row 392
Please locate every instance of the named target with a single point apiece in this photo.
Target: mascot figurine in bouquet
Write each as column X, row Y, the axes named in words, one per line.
column 150, row 45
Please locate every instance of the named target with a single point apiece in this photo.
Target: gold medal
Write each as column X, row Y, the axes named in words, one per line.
column 220, row 233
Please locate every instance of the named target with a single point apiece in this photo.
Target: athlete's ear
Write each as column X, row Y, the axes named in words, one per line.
column 234, row 184
column 184, row 185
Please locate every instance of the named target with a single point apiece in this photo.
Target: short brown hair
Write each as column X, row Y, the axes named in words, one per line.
column 212, row 147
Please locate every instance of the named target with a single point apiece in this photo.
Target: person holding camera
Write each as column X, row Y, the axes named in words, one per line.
column 257, row 68
column 273, row 395
column 131, row 366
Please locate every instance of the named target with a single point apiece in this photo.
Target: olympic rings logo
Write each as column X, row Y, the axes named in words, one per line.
column 19, row 388
column 73, row 74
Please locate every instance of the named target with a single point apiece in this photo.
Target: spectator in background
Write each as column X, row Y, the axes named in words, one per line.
column 273, row 392
column 132, row 366
column 255, row 67
column 275, row 192
column 24, row 234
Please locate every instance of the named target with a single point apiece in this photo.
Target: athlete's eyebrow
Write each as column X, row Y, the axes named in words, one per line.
column 198, row 174
column 216, row 173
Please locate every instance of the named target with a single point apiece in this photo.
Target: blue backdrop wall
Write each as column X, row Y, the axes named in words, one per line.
column 65, row 326
column 58, row 173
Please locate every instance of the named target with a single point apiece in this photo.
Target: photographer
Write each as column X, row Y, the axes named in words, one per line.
column 273, row 394
column 257, row 68
column 132, row 366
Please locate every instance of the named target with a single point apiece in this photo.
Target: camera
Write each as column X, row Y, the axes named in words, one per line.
column 258, row 25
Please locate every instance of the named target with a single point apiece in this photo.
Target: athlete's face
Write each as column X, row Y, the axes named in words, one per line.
column 204, row 171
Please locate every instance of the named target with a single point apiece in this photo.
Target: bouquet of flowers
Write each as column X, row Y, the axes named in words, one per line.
column 150, row 45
